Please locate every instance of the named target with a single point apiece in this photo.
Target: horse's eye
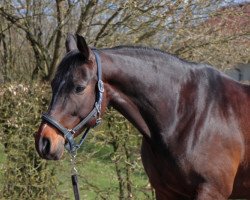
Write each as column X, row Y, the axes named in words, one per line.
column 79, row 88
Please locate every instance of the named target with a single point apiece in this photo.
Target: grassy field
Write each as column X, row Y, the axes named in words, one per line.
column 97, row 176
column 97, row 180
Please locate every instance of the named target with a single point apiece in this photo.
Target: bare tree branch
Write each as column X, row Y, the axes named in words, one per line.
column 84, row 13
column 99, row 35
column 59, row 8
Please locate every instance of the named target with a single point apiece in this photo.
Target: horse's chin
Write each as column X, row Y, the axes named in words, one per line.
column 59, row 153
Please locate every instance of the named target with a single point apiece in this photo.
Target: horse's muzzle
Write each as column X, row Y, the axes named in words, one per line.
column 49, row 143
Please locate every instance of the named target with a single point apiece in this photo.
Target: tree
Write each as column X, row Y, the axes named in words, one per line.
column 175, row 26
column 28, row 17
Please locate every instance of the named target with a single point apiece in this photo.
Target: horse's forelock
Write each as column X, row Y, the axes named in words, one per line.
column 66, row 68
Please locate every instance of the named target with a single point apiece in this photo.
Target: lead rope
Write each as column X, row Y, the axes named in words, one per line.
column 74, row 174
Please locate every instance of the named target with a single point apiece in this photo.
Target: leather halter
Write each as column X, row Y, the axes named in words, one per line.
column 68, row 134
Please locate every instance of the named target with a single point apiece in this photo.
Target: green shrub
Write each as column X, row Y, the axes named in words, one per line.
column 25, row 175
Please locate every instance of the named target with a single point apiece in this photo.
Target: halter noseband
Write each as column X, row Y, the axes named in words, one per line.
column 68, row 134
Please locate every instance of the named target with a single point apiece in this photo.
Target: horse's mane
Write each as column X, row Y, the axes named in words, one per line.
column 127, row 49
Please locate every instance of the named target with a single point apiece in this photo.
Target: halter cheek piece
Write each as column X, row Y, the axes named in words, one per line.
column 68, row 134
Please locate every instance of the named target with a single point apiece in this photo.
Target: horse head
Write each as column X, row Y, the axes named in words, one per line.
column 73, row 97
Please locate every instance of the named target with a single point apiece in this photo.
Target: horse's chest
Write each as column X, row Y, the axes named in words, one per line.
column 166, row 173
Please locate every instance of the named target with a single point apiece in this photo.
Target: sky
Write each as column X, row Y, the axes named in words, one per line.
column 241, row 1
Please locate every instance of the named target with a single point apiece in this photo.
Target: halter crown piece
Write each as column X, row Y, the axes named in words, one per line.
column 68, row 134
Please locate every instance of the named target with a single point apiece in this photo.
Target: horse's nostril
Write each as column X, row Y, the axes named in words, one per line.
column 46, row 146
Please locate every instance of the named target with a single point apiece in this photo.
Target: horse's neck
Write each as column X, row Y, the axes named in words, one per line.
column 146, row 94
column 137, row 89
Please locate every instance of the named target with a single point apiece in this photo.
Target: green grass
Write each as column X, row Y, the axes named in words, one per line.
column 97, row 178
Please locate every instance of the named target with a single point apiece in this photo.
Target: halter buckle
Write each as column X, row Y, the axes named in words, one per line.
column 100, row 86
column 72, row 131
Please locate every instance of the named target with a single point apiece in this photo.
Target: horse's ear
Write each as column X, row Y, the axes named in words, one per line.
column 70, row 43
column 82, row 46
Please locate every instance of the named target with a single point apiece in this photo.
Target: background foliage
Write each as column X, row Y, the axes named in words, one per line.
column 32, row 35
column 24, row 174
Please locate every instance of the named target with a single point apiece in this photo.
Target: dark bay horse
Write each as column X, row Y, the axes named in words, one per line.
column 194, row 119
